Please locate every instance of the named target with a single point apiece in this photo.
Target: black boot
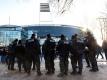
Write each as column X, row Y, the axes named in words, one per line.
column 73, row 72
column 80, row 71
column 39, row 73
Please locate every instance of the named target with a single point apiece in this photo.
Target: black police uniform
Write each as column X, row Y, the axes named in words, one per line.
column 63, row 52
column 20, row 55
column 76, row 50
column 33, row 52
column 11, row 54
column 48, row 50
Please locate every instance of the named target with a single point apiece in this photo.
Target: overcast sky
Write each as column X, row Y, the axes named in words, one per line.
column 83, row 13
column 21, row 12
column 24, row 12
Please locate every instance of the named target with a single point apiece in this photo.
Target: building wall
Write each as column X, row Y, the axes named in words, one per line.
column 8, row 34
column 42, row 31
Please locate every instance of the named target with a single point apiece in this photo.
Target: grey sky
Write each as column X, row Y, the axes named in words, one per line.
column 22, row 12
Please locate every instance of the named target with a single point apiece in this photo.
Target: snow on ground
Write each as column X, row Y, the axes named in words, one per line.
column 15, row 75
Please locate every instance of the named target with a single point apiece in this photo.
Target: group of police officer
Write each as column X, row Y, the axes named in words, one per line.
column 28, row 55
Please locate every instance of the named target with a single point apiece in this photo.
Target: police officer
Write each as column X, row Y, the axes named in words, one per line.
column 92, row 45
column 11, row 54
column 20, row 55
column 49, row 54
column 76, row 50
column 63, row 52
column 33, row 52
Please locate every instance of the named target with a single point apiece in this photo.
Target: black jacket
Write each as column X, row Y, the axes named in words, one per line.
column 48, row 47
column 63, row 48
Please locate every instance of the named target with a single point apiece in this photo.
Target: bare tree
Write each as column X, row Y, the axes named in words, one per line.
column 103, row 23
column 62, row 5
column 103, row 27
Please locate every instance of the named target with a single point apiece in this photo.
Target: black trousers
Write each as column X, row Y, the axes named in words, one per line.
column 21, row 62
column 63, row 64
column 77, row 59
column 49, row 63
column 36, row 62
column 93, row 60
column 11, row 61
column 86, row 55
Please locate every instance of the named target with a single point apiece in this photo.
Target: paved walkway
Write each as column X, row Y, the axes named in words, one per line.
column 15, row 75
